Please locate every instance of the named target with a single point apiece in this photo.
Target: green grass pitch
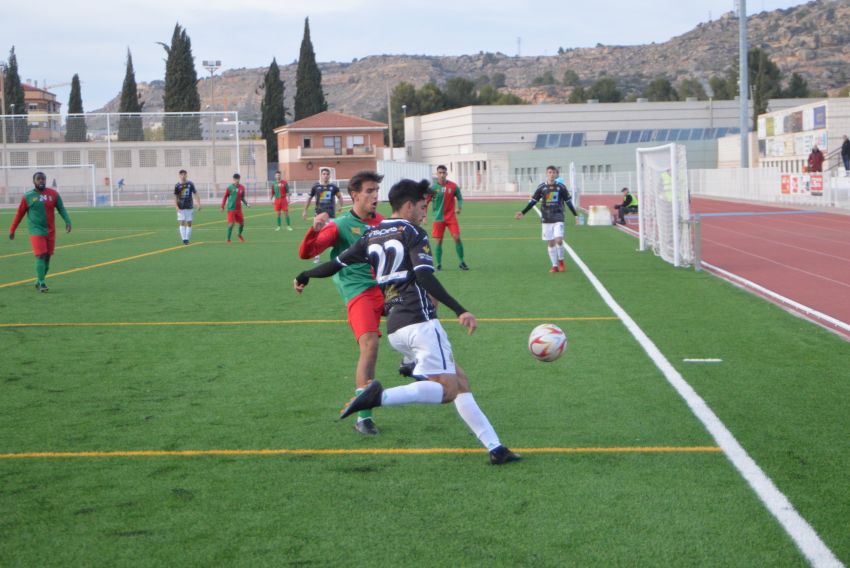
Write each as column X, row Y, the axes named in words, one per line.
column 270, row 370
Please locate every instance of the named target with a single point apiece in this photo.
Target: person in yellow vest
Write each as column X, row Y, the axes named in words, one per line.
column 629, row 205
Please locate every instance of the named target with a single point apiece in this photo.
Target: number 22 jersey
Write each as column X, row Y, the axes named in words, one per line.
column 396, row 249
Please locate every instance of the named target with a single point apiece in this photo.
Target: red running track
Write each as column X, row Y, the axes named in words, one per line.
column 804, row 257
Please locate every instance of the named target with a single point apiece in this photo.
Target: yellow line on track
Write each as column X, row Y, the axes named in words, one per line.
column 267, row 322
column 80, row 269
column 84, row 244
column 357, row 451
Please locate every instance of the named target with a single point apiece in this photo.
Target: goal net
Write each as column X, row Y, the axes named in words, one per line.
column 664, row 203
column 76, row 184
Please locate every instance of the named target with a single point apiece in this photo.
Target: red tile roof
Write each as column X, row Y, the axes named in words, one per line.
column 328, row 119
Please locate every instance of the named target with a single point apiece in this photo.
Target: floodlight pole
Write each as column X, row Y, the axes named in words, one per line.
column 3, row 113
column 743, row 87
column 212, row 65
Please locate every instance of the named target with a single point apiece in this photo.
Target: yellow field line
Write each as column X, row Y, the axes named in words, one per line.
column 89, row 267
column 85, row 243
column 267, row 322
column 355, row 451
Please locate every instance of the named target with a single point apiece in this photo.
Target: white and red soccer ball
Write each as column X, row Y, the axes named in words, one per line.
column 547, row 342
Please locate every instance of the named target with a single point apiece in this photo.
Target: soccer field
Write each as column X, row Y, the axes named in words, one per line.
column 176, row 405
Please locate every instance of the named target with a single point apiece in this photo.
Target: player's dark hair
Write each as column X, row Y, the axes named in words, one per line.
column 38, row 174
column 323, row 170
column 182, row 172
column 356, row 181
column 237, row 176
column 552, row 168
column 277, row 172
column 624, row 189
column 408, row 190
column 442, row 167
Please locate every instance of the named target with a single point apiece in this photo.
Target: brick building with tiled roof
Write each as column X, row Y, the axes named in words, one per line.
column 329, row 139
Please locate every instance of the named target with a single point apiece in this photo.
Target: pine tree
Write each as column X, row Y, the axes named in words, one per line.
column 309, row 98
column 17, row 129
column 75, row 126
column 130, row 127
column 181, row 88
column 273, row 111
column 798, row 88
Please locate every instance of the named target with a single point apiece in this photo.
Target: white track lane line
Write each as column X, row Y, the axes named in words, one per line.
column 803, row 535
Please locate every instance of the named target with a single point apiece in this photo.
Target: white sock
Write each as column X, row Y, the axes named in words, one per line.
column 559, row 247
column 553, row 255
column 182, row 232
column 420, row 392
column 188, row 233
column 475, row 419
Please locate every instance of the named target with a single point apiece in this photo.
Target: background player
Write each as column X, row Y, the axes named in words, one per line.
column 448, row 202
column 554, row 195
column 363, row 298
column 184, row 194
column 280, row 194
column 234, row 197
column 399, row 254
column 39, row 204
column 325, row 193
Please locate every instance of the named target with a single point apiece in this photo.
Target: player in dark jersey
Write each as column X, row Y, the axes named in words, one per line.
column 400, row 256
column 326, row 194
column 38, row 205
column 184, row 195
column 554, row 196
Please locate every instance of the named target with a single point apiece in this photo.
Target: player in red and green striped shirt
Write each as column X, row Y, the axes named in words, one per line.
column 364, row 300
column 234, row 197
column 39, row 204
column 280, row 194
column 448, row 202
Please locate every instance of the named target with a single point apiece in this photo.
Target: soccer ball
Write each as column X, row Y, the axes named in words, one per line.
column 547, row 342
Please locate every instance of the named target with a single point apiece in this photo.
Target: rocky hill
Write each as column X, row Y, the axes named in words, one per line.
column 812, row 39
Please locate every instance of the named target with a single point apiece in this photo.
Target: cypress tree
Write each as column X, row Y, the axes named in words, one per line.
column 309, row 98
column 17, row 129
column 181, row 88
column 273, row 111
column 75, row 127
column 130, row 127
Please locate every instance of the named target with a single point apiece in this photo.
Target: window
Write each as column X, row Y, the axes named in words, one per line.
column 173, row 158
column 354, row 141
column 121, row 159
column 634, row 136
column 19, row 158
column 541, row 141
column 660, row 135
column 611, row 137
column 328, row 141
column 246, row 155
column 553, row 140
column 222, row 157
column 578, row 139
column 45, row 158
column 622, row 137
column 307, row 142
column 71, row 158
column 147, row 158
column 98, row 158
column 646, row 135
column 197, row 157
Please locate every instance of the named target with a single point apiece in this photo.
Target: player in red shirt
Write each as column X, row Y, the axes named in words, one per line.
column 448, row 202
column 280, row 193
column 39, row 204
column 234, row 197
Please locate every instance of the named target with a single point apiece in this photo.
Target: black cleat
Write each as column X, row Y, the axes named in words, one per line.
column 369, row 398
column 43, row 288
column 439, row 267
column 502, row 455
column 463, row 266
column 406, row 369
column 185, row 241
column 366, row 427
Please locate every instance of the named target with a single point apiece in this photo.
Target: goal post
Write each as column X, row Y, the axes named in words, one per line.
column 76, row 183
column 664, row 203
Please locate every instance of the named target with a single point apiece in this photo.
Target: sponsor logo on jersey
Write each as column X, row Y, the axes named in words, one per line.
column 382, row 232
column 355, row 230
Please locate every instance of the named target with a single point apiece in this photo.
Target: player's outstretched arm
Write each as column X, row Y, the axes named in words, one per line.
column 324, row 270
column 468, row 321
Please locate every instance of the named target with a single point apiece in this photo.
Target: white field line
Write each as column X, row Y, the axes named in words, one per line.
column 803, row 535
column 811, row 312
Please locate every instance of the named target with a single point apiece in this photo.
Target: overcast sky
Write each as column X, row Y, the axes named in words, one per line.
column 56, row 39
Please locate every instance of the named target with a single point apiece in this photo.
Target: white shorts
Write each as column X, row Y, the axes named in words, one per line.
column 552, row 231
column 428, row 345
column 185, row 214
